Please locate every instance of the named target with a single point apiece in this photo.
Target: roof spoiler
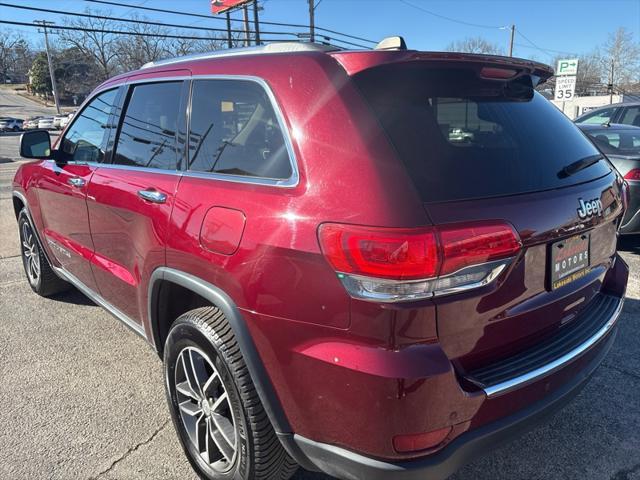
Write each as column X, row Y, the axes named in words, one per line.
column 356, row 62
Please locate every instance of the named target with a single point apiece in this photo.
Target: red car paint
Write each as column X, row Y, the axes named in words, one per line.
column 347, row 372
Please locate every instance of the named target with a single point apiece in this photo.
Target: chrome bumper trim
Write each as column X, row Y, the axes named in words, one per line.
column 549, row 368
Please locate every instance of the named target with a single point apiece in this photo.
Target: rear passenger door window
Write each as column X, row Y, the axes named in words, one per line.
column 84, row 141
column 235, row 131
column 148, row 127
column 631, row 116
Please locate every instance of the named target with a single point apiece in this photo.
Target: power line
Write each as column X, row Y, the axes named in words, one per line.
column 210, row 17
column 532, row 44
column 129, row 20
column 462, row 22
column 172, row 25
column 124, row 32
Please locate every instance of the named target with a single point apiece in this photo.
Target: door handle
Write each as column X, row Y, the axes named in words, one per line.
column 77, row 182
column 152, row 196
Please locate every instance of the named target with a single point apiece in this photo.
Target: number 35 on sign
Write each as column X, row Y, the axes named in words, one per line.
column 565, row 86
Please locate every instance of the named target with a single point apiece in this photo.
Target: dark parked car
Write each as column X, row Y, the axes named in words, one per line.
column 621, row 144
column 625, row 113
column 376, row 264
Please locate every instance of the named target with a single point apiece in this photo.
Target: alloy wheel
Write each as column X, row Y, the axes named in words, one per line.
column 30, row 253
column 205, row 409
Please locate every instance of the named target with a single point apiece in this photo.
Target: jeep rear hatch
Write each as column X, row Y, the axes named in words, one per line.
column 481, row 145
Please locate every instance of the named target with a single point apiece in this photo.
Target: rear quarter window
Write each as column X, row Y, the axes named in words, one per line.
column 234, row 130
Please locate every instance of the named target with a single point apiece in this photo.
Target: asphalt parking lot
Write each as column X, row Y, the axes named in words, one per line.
column 83, row 396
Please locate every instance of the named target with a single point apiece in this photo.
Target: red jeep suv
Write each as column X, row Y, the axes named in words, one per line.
column 375, row 264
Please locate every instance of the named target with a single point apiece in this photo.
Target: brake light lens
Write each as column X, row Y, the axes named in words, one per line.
column 380, row 252
column 633, row 174
column 496, row 73
column 476, row 244
column 396, row 264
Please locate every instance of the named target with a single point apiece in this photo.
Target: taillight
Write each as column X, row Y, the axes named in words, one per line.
column 633, row 174
column 475, row 244
column 380, row 252
column 626, row 195
column 397, row 264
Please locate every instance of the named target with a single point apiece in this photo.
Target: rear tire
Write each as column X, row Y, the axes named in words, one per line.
column 42, row 279
column 216, row 412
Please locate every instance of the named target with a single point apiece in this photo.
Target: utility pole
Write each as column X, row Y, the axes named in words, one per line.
column 229, row 42
column 256, row 21
column 513, row 33
column 611, row 83
column 247, row 37
column 44, row 24
column 312, row 27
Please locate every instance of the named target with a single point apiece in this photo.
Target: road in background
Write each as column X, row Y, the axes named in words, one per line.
column 13, row 105
column 83, row 396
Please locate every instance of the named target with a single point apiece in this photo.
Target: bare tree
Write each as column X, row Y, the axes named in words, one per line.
column 133, row 51
column 92, row 40
column 16, row 56
column 623, row 51
column 475, row 45
column 590, row 72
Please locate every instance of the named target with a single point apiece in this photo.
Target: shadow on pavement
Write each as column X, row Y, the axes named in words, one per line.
column 73, row 296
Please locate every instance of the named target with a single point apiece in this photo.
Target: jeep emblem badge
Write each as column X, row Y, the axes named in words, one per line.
column 589, row 208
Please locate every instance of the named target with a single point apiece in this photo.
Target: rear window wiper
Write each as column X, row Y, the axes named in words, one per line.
column 578, row 165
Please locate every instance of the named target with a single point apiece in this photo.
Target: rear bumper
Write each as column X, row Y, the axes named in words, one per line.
column 348, row 465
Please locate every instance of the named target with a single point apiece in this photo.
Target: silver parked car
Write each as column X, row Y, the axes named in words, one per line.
column 31, row 123
column 622, row 113
column 621, row 144
column 45, row 123
column 10, row 124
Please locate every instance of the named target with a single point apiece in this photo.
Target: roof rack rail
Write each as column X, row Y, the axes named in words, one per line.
column 280, row 47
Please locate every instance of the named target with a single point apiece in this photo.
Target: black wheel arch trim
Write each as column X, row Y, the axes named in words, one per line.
column 25, row 204
column 220, row 299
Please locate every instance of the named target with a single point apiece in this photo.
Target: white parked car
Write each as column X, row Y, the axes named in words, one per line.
column 57, row 121
column 46, row 123
column 65, row 121
column 10, row 124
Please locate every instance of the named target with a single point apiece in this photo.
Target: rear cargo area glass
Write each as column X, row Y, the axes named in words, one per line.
column 463, row 137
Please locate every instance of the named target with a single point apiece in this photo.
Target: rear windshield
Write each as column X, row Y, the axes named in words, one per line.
column 462, row 137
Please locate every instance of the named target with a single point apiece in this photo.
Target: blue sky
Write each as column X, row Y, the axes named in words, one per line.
column 563, row 25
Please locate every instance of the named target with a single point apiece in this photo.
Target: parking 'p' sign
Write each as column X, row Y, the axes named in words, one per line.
column 567, row 66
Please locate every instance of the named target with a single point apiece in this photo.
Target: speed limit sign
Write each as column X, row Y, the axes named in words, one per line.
column 565, row 87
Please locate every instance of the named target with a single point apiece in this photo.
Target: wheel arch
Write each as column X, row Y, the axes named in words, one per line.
column 218, row 298
column 18, row 203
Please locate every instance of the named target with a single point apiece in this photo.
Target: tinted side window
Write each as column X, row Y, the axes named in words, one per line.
column 84, row 140
column 600, row 117
column 631, row 116
column 234, row 130
column 147, row 136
